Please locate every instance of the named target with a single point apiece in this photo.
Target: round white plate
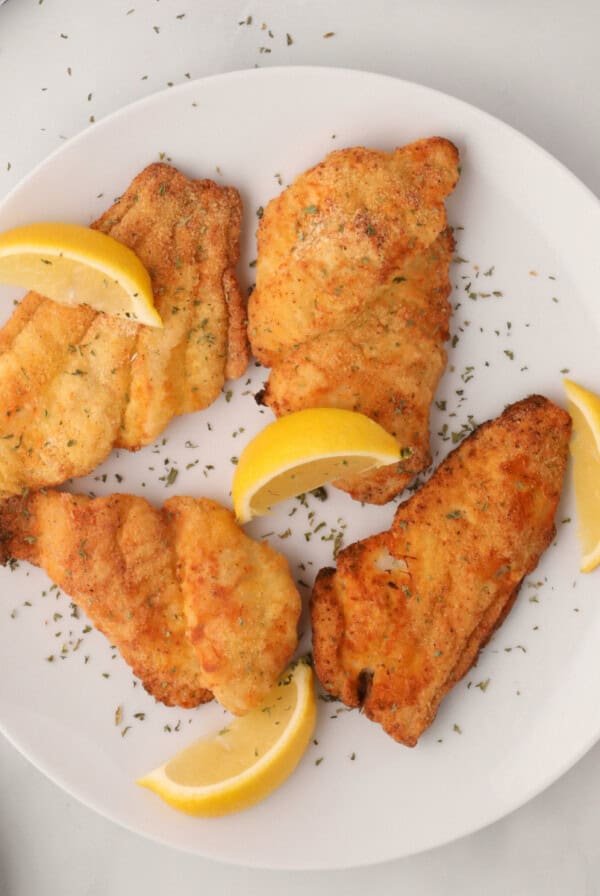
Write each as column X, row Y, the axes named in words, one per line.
column 525, row 310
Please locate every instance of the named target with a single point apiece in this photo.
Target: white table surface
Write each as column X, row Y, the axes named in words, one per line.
column 66, row 63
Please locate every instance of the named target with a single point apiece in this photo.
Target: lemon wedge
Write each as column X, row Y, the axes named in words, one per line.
column 584, row 407
column 247, row 759
column 75, row 265
column 304, row 450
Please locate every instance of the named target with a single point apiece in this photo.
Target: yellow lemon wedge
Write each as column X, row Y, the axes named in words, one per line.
column 75, row 265
column 304, row 450
column 247, row 759
column 584, row 407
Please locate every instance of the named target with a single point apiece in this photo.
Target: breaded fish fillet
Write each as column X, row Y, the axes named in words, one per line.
column 193, row 605
column 350, row 308
column 404, row 616
column 74, row 383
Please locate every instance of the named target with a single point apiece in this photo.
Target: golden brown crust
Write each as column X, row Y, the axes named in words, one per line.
column 350, row 307
column 237, row 337
column 194, row 606
column 186, row 232
column 240, row 603
column 74, row 383
column 408, row 610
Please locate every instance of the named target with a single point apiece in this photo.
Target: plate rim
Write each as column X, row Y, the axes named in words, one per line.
column 277, row 70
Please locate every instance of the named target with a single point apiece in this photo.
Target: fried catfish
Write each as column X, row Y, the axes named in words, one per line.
column 75, row 383
column 405, row 614
column 351, row 304
column 194, row 606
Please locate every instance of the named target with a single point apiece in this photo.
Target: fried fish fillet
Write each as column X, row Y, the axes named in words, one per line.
column 351, row 302
column 75, row 383
column 193, row 605
column 404, row 616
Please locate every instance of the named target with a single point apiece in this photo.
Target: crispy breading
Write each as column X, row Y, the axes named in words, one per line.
column 350, row 307
column 241, row 605
column 407, row 611
column 74, row 383
column 386, row 364
column 193, row 605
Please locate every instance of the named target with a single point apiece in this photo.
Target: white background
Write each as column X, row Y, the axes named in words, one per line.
column 66, row 63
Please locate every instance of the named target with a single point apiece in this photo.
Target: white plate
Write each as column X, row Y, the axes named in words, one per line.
column 530, row 233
